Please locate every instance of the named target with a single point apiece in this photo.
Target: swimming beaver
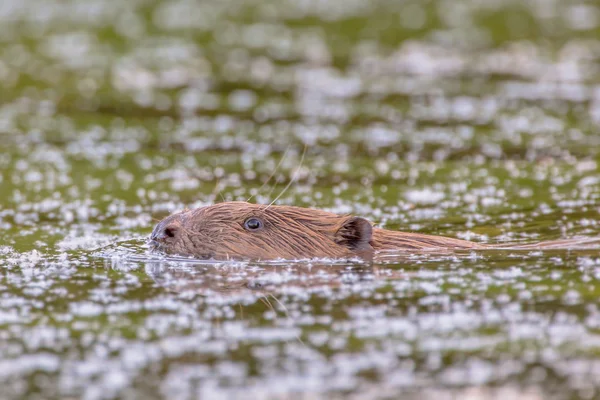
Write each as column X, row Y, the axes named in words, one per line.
column 244, row 231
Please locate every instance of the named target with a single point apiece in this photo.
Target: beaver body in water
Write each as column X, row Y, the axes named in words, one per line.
column 245, row 231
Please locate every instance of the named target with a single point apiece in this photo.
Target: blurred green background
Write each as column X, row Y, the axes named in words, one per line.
column 476, row 119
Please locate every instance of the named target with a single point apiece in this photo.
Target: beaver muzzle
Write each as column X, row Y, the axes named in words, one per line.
column 165, row 233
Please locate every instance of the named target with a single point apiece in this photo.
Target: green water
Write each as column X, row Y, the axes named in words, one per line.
column 466, row 118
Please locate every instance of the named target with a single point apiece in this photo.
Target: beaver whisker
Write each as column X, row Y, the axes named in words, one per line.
column 294, row 177
column 277, row 181
column 287, row 315
column 272, row 174
column 285, row 310
column 217, row 191
column 267, row 303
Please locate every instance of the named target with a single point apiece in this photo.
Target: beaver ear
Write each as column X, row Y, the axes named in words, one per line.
column 355, row 234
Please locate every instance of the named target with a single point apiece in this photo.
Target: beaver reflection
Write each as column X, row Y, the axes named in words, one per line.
column 228, row 280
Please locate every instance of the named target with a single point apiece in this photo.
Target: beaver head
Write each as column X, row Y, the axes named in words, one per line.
column 245, row 231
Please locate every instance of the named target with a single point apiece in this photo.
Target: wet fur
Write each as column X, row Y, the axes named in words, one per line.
column 218, row 232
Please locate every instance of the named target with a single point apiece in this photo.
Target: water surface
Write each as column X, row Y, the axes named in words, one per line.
column 472, row 119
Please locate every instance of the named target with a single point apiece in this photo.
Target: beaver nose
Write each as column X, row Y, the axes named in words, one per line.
column 168, row 232
column 164, row 232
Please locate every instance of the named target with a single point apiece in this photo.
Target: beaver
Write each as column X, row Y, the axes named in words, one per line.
column 246, row 231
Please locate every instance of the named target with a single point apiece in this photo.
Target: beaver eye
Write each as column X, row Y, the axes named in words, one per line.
column 253, row 224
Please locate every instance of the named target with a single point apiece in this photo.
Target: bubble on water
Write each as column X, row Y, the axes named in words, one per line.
column 424, row 196
column 583, row 17
column 572, row 297
column 30, row 363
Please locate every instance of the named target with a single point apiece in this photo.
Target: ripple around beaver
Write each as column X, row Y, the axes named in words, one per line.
column 240, row 279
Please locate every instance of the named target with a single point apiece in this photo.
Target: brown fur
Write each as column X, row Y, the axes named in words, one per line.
column 292, row 233
column 384, row 239
column 218, row 232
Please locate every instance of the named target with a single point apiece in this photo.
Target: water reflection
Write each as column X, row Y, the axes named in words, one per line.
column 233, row 280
